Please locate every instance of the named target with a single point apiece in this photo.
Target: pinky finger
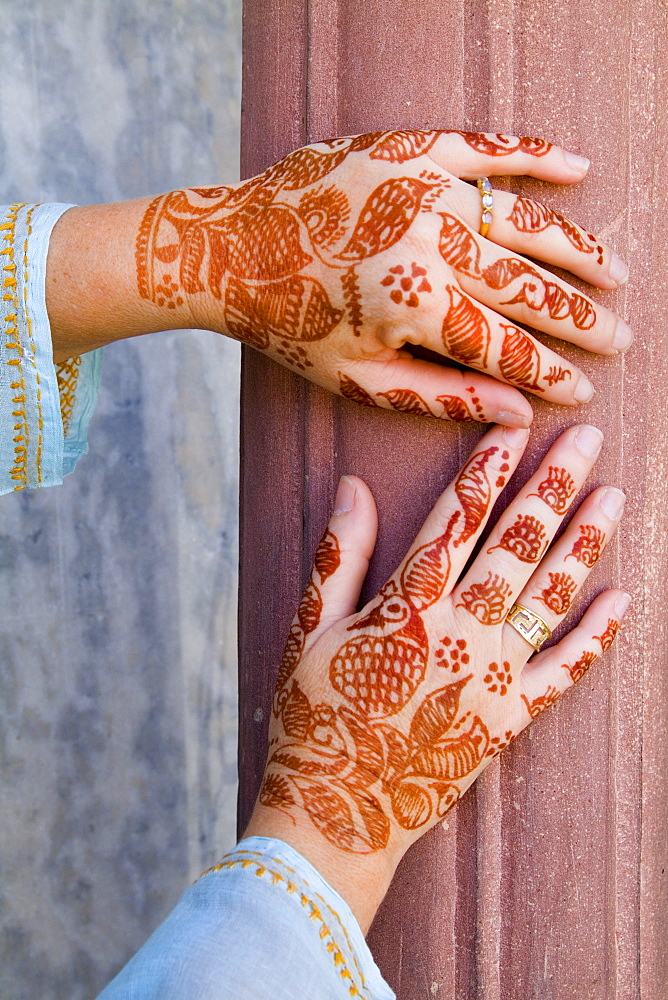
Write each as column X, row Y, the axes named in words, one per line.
column 427, row 389
column 550, row 673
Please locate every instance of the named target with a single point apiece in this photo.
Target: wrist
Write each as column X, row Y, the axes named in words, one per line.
column 92, row 295
column 362, row 880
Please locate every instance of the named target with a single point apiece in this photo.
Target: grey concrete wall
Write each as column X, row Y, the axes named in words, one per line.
column 118, row 589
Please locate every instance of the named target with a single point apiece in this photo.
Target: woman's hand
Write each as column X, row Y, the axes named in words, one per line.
column 383, row 718
column 347, row 250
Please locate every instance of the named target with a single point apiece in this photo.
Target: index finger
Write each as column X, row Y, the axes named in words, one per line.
column 447, row 537
column 473, row 154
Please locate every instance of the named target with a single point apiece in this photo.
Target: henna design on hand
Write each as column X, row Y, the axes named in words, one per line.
column 556, row 490
column 453, row 656
column 606, row 640
column 458, row 246
column 520, row 360
column 426, row 572
column 399, row 146
column 466, row 333
column 406, row 284
column 496, row 744
column 559, row 595
column 525, row 539
column 498, row 678
column 580, row 668
column 538, row 705
column 353, row 300
column 326, row 214
column 349, row 388
column 557, row 374
column 379, row 672
column 455, row 408
column 587, row 548
column 327, row 557
column 407, row 401
column 529, row 216
column 502, row 145
column 385, row 218
column 474, row 492
column 488, row 601
column 536, row 293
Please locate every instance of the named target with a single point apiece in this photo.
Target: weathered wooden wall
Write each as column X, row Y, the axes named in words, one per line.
column 549, row 881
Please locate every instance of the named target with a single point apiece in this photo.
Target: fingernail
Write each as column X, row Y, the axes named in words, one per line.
column 623, row 336
column 589, row 440
column 509, row 418
column 621, row 605
column 612, row 503
column 516, row 437
column 618, row 270
column 579, row 163
column 345, row 496
column 584, row 390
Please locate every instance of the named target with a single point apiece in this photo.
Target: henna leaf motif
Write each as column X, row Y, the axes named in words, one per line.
column 360, row 829
column 520, row 361
column 437, row 713
column 351, row 390
column 385, row 218
column 458, row 246
column 466, row 333
column 502, row 272
column 310, row 608
column 411, row 804
column 309, row 760
column 396, row 749
column 297, row 713
column 303, row 167
column 407, row 401
column 291, row 656
column 474, row 493
column 275, row 791
column 327, row 556
column 583, row 312
column 455, row 408
column 426, row 573
column 397, row 147
column 452, row 759
column 368, row 747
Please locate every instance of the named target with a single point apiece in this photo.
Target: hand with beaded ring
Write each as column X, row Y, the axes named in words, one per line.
column 340, row 258
column 383, row 717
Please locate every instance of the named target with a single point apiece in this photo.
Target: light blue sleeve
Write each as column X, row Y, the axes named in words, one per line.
column 44, row 409
column 261, row 925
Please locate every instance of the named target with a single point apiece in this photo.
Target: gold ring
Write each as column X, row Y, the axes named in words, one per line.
column 530, row 626
column 485, row 188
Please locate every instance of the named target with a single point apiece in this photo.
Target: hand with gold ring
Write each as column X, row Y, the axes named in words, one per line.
column 383, row 717
column 340, row 258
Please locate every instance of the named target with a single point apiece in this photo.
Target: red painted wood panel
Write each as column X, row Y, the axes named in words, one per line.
column 549, row 880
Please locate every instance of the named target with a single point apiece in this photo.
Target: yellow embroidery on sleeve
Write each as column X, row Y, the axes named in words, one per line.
column 33, row 360
column 67, row 373
column 246, row 860
column 19, row 470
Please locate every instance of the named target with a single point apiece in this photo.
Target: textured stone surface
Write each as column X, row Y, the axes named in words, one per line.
column 549, row 881
column 117, row 641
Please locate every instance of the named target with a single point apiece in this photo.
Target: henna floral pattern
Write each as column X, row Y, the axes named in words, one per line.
column 559, row 594
column 556, row 490
column 606, row 640
column 487, row 601
column 587, row 549
column 526, row 539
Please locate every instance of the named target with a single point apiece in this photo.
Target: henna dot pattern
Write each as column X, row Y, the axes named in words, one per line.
column 498, row 679
column 407, row 287
column 452, row 655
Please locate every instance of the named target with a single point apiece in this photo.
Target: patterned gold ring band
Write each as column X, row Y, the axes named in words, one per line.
column 530, row 626
column 485, row 188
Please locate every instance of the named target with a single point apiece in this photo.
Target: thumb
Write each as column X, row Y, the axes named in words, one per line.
column 342, row 557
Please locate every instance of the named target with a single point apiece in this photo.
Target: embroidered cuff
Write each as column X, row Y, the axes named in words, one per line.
column 44, row 410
